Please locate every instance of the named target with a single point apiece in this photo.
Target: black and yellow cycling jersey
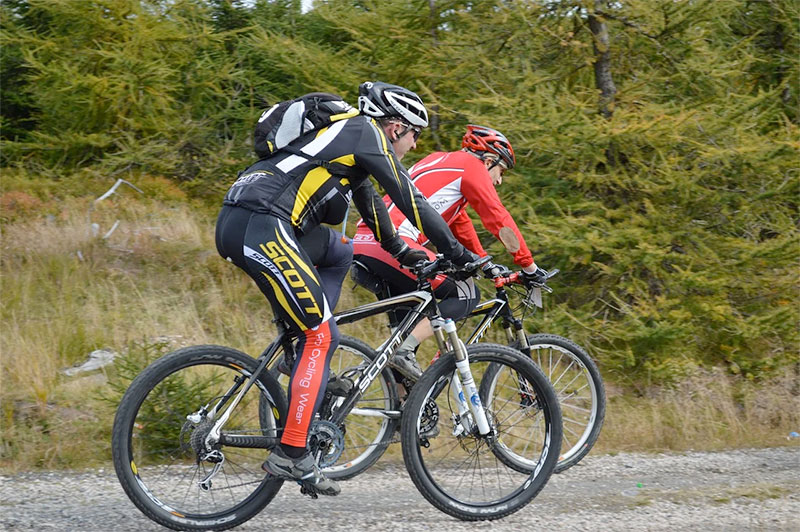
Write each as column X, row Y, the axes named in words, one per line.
column 300, row 191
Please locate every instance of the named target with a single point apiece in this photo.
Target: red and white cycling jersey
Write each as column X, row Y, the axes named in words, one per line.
column 450, row 181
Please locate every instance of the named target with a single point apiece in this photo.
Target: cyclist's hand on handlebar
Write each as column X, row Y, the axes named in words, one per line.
column 401, row 251
column 409, row 256
column 537, row 278
column 470, row 269
column 492, row 270
column 465, row 258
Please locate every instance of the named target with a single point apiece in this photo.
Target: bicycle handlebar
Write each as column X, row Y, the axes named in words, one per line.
column 516, row 278
column 425, row 269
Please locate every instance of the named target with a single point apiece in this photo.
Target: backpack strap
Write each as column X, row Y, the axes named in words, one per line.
column 333, row 168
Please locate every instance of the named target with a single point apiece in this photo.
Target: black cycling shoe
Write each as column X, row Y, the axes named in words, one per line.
column 302, row 470
column 285, row 365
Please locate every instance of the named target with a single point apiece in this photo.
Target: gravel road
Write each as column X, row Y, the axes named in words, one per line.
column 755, row 489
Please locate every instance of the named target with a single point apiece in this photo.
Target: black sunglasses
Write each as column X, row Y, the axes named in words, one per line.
column 501, row 163
column 417, row 131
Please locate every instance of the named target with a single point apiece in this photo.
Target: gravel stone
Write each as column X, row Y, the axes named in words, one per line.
column 755, row 489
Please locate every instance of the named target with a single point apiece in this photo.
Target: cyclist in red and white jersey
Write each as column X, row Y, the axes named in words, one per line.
column 450, row 181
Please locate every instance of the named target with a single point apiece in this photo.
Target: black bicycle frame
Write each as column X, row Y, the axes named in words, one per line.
column 490, row 310
column 425, row 302
column 421, row 303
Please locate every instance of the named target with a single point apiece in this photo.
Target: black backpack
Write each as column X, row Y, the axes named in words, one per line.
column 287, row 121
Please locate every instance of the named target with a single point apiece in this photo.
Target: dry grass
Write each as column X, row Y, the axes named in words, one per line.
column 67, row 291
column 706, row 412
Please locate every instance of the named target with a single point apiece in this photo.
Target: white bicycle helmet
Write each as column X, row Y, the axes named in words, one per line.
column 383, row 100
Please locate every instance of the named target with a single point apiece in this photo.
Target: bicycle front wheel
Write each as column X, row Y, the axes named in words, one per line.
column 580, row 390
column 461, row 472
column 158, row 439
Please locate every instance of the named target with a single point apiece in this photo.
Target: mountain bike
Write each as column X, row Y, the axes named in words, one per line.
column 571, row 371
column 193, row 428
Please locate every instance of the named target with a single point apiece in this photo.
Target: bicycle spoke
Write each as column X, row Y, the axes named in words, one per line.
column 575, row 407
column 580, row 393
column 167, row 453
column 555, row 382
column 498, row 470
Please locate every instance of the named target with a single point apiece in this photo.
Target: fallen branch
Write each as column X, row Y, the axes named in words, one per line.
column 94, row 228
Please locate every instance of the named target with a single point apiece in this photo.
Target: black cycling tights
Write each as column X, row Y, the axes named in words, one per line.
column 303, row 289
column 332, row 254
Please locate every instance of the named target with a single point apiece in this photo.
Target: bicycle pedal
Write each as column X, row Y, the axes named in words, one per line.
column 306, row 491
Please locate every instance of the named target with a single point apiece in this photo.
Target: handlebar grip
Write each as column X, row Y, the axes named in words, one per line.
column 469, row 269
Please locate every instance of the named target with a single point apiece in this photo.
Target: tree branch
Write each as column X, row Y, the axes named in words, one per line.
column 628, row 23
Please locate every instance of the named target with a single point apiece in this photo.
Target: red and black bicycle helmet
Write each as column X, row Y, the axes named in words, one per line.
column 483, row 140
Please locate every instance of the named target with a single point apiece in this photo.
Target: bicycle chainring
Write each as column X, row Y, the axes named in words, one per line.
column 327, row 440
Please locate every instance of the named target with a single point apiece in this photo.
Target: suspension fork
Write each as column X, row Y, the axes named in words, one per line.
column 514, row 330
column 511, row 324
column 464, row 388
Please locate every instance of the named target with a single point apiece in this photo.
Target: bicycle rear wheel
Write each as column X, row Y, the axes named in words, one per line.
column 580, row 390
column 461, row 473
column 158, row 451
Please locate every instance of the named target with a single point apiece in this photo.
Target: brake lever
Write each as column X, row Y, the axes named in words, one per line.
column 470, row 269
column 534, row 296
column 475, row 265
column 423, row 269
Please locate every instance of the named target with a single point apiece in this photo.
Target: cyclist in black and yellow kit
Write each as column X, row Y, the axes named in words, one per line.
column 279, row 201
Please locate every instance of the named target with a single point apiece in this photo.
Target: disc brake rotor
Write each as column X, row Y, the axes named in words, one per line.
column 429, row 417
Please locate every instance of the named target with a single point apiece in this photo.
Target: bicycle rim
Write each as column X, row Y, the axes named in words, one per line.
column 463, row 474
column 580, row 392
column 158, row 452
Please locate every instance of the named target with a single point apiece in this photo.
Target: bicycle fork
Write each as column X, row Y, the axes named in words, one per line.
column 465, row 392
